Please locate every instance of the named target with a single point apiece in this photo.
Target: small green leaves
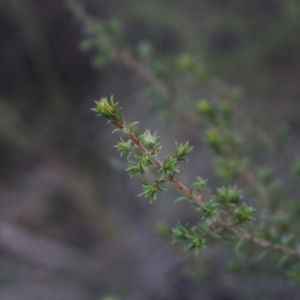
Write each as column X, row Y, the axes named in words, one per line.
column 222, row 215
column 180, row 233
column 142, row 164
column 179, row 199
column 150, row 190
column 150, row 141
column 163, row 229
column 98, row 29
column 113, row 27
column 125, row 147
column 103, row 56
column 146, row 160
column 228, row 195
column 217, row 114
column 134, row 169
column 102, row 37
column 243, row 214
column 131, row 127
column 110, row 28
column 226, row 111
column 205, row 108
column 86, row 45
column 266, row 176
column 195, row 236
column 170, row 163
column 226, row 168
column 209, row 210
column 214, row 139
column 181, row 151
column 196, row 243
column 188, row 63
column 169, row 166
column 109, row 110
column 185, row 62
column 200, row 185
column 104, row 108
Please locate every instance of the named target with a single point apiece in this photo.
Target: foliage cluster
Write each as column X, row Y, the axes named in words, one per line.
column 227, row 214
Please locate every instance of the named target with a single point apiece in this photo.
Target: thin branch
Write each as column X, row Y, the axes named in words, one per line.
column 166, row 91
column 133, row 64
column 159, row 164
column 199, row 201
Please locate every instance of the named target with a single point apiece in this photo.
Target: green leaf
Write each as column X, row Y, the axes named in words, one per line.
column 124, row 146
column 151, row 189
column 205, row 108
column 118, row 130
column 180, row 199
column 169, row 165
column 243, row 214
column 228, row 195
column 266, row 175
column 113, row 27
column 132, row 125
column 226, row 111
column 150, row 141
column 179, row 233
column 200, row 185
column 98, row 29
column 209, row 210
column 214, row 139
column 109, row 110
column 185, row 62
column 226, row 168
column 181, row 151
column 134, row 169
column 86, row 45
column 163, row 229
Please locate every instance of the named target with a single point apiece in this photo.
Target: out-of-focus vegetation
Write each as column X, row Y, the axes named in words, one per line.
column 71, row 225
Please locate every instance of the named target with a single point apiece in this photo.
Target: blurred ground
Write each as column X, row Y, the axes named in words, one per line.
column 71, row 225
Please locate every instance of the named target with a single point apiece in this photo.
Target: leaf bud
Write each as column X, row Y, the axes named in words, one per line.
column 205, row 108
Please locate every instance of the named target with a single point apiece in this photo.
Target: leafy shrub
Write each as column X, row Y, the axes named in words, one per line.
column 252, row 210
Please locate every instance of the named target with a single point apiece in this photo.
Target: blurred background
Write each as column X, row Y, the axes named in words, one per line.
column 71, row 224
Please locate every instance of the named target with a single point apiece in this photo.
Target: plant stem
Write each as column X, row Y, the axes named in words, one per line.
column 199, row 201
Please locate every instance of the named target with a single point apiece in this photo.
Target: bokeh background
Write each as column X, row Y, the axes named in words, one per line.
column 71, row 224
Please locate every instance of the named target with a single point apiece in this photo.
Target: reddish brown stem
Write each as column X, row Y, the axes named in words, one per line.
column 199, row 201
